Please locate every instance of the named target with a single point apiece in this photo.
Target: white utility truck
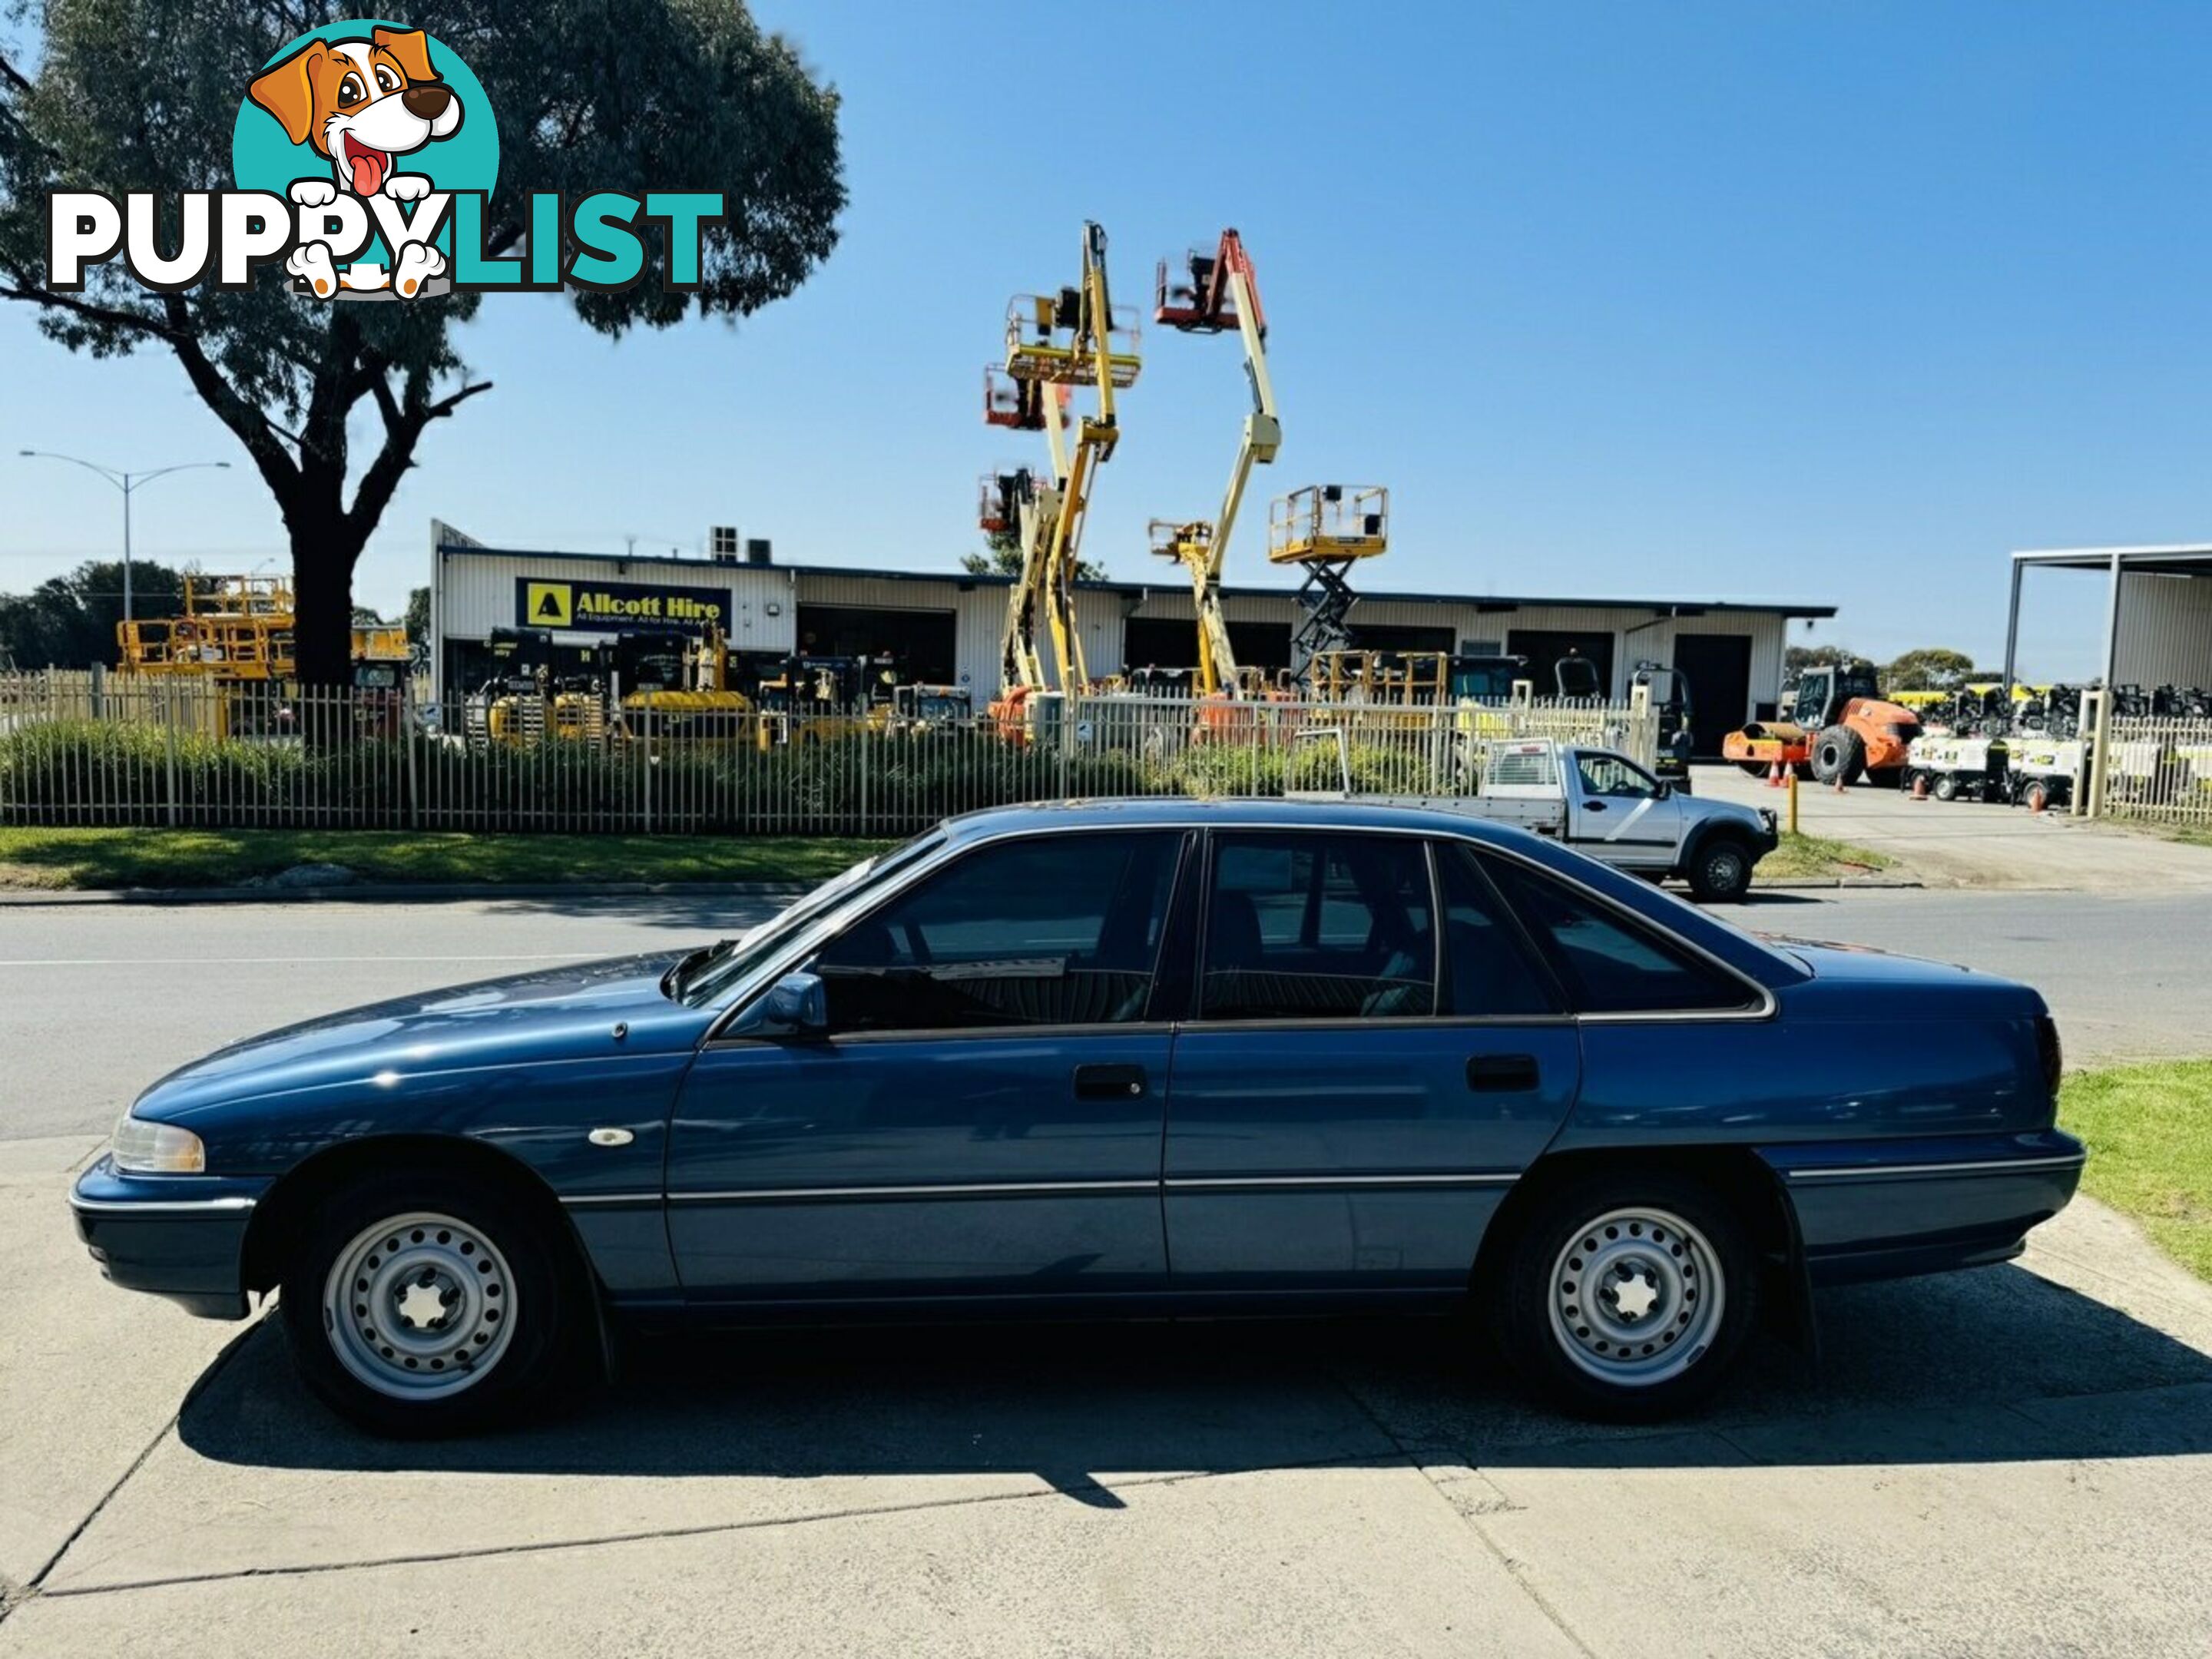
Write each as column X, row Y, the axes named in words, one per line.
column 1596, row 802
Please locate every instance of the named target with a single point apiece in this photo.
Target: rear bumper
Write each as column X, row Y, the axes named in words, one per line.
column 1886, row 1209
column 182, row 1237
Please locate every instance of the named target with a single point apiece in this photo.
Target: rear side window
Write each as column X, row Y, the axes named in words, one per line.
column 1609, row 964
column 1488, row 970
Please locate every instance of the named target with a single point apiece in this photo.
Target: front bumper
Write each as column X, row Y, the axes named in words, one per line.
column 179, row 1237
column 1886, row 1209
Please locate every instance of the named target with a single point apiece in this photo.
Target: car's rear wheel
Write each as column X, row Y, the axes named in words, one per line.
column 1719, row 869
column 1628, row 1297
column 425, row 1305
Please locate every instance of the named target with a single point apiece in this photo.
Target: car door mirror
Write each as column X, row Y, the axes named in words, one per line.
column 1664, row 792
column 796, row 1006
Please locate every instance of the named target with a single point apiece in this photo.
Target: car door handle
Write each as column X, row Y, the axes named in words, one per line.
column 1593, row 806
column 1503, row 1074
column 1109, row 1082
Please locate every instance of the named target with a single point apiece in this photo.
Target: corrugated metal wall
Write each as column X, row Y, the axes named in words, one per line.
column 475, row 593
column 2165, row 631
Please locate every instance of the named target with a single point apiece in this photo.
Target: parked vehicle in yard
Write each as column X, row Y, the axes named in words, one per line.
column 1142, row 1057
column 1595, row 801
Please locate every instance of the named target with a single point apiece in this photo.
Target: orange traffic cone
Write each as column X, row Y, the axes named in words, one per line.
column 1774, row 775
column 1920, row 785
column 2038, row 797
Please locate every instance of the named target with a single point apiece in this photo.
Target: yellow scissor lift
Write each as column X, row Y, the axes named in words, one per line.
column 1325, row 530
column 1218, row 292
column 1055, row 342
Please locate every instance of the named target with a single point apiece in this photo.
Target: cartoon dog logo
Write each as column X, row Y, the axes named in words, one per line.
column 363, row 105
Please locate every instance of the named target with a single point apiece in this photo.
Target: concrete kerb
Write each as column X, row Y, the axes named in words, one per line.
column 354, row 892
column 430, row 892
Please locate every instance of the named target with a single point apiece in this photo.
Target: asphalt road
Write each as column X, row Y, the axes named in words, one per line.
column 98, row 999
column 2011, row 1462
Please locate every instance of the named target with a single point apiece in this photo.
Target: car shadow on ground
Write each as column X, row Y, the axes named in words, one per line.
column 1998, row 1366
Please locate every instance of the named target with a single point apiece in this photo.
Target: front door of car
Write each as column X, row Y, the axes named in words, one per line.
column 1620, row 813
column 1360, row 1087
column 983, row 1113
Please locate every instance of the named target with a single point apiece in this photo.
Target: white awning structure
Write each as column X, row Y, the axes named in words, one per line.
column 2158, row 612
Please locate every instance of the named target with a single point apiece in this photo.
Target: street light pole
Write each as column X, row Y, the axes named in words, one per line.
column 127, row 482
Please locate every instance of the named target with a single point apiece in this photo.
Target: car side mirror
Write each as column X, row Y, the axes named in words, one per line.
column 1666, row 788
column 796, row 1006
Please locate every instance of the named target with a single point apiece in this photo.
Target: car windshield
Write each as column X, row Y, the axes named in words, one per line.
column 730, row 961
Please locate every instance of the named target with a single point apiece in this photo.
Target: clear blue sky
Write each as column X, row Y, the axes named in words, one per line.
column 1828, row 302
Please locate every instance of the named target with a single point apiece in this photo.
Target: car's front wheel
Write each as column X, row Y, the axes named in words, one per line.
column 425, row 1304
column 1628, row 1297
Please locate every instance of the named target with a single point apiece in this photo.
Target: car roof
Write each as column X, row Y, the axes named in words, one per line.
column 1182, row 811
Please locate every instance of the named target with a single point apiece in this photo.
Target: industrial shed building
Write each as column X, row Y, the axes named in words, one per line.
column 945, row 626
column 2156, row 615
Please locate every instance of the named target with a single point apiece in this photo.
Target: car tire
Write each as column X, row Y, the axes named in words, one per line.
column 1672, row 1245
column 1839, row 755
column 1719, row 869
column 457, row 1311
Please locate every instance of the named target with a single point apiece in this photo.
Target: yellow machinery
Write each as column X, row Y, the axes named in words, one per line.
column 686, row 687
column 1326, row 529
column 236, row 627
column 1221, row 292
column 1055, row 342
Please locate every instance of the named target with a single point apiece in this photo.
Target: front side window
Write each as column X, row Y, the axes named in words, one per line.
column 1609, row 964
column 1061, row 930
column 1319, row 927
column 1614, row 777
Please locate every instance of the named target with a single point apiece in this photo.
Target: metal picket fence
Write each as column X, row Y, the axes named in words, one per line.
column 114, row 749
column 2156, row 770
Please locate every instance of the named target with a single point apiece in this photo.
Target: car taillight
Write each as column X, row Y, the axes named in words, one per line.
column 2051, row 1052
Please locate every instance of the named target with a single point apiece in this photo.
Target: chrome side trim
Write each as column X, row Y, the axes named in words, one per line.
column 234, row 1204
column 950, row 1189
column 1879, row 1171
column 1201, row 1183
column 1034, row 1188
column 580, row 1199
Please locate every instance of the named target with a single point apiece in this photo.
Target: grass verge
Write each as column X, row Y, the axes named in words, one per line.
column 57, row 858
column 2149, row 1130
column 1804, row 858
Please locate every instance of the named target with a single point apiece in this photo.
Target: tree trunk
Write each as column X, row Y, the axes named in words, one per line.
column 322, row 585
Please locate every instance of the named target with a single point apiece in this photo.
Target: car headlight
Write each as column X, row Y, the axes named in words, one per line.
column 141, row 1147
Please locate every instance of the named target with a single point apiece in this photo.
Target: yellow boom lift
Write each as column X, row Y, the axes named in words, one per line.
column 1056, row 342
column 1221, row 293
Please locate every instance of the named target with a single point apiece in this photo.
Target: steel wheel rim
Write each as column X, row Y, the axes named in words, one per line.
column 1636, row 1296
column 420, row 1306
column 1724, row 866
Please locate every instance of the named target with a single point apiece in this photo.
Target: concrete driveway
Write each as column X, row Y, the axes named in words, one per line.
column 1980, row 844
column 2009, row 1462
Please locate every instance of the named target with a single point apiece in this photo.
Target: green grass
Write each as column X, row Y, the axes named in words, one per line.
column 2149, row 1130
column 1805, row 858
column 220, row 857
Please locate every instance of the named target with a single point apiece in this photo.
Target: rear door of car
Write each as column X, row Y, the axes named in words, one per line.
column 1357, row 1086
column 983, row 1116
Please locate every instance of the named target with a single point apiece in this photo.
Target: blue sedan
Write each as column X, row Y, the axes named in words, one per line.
column 1136, row 1058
